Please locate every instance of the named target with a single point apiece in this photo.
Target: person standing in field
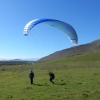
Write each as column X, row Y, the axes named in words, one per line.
column 31, row 76
column 52, row 76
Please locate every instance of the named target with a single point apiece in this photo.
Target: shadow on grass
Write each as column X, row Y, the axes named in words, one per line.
column 41, row 84
column 60, row 83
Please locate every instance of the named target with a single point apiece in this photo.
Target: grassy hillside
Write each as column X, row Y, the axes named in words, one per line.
column 76, row 78
column 85, row 60
column 93, row 56
column 73, row 51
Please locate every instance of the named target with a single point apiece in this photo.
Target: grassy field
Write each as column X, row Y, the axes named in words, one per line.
column 76, row 78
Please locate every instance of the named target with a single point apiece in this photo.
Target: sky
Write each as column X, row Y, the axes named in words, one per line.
column 82, row 15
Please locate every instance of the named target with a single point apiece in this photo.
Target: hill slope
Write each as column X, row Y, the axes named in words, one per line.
column 77, row 50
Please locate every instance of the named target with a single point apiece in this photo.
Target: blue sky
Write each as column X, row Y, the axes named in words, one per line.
column 83, row 15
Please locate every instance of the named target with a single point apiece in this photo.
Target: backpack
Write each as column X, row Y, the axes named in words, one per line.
column 53, row 76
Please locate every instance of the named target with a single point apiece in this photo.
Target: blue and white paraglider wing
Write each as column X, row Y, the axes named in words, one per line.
column 66, row 28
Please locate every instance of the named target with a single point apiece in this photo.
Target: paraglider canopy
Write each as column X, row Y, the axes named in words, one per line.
column 65, row 27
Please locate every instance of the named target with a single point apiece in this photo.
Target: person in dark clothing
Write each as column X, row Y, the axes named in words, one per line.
column 52, row 76
column 31, row 76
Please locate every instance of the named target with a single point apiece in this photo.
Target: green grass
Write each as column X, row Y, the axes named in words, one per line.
column 76, row 78
column 71, row 84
